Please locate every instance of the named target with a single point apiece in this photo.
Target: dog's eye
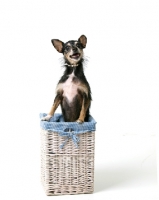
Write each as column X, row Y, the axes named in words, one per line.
column 67, row 48
column 79, row 45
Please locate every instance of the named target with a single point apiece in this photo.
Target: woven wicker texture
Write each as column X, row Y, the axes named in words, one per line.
column 69, row 170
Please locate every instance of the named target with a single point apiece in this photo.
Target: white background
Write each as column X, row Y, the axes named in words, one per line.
column 123, row 71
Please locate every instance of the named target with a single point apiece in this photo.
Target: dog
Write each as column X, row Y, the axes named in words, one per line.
column 73, row 92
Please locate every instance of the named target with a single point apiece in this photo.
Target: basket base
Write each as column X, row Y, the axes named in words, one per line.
column 54, row 190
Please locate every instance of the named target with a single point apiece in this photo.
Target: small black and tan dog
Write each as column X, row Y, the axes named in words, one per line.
column 73, row 92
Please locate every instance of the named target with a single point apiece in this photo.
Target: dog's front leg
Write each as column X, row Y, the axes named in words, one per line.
column 57, row 101
column 85, row 105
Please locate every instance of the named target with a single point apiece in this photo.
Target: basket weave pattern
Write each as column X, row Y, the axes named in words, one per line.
column 69, row 170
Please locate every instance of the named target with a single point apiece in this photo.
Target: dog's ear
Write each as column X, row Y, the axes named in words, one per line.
column 83, row 40
column 58, row 45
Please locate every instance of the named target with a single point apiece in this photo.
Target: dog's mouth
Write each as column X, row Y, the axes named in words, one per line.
column 75, row 56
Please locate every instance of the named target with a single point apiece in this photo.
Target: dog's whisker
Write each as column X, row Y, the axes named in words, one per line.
column 61, row 60
column 85, row 60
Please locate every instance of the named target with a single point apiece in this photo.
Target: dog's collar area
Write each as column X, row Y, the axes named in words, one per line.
column 71, row 65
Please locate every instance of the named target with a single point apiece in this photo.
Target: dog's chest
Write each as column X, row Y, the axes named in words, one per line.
column 70, row 87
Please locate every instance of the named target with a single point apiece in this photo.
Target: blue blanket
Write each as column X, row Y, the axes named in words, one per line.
column 67, row 129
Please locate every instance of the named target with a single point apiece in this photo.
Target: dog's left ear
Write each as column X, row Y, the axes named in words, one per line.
column 83, row 40
column 58, row 45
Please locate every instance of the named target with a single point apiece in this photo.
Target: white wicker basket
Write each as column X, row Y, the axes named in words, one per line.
column 67, row 170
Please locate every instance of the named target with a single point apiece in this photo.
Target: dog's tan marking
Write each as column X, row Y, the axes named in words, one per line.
column 85, row 105
column 59, row 87
column 83, row 88
column 54, row 107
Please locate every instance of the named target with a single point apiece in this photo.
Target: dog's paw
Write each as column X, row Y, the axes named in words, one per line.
column 46, row 118
column 79, row 121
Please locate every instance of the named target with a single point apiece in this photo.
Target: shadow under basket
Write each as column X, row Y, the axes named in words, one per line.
column 67, row 156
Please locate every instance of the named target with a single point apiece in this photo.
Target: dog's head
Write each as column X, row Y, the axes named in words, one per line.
column 72, row 50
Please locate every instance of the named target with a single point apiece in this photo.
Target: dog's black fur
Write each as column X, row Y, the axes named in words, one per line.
column 73, row 92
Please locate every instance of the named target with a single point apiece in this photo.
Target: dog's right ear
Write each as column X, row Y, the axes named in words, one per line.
column 58, row 45
column 83, row 40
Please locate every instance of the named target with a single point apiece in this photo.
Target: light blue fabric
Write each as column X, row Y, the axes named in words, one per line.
column 67, row 129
